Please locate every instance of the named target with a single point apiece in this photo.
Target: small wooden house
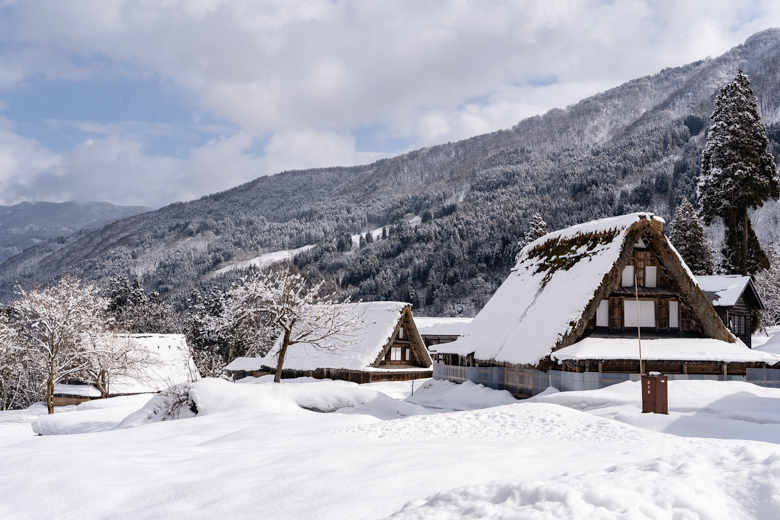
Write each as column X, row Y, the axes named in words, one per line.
column 169, row 363
column 384, row 346
column 575, row 303
column 436, row 331
column 735, row 299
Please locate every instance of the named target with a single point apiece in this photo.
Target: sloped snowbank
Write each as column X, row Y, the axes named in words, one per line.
column 735, row 483
column 712, row 409
column 92, row 416
column 211, row 396
column 444, row 395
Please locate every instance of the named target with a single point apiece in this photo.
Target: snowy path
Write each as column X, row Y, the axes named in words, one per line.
column 265, row 457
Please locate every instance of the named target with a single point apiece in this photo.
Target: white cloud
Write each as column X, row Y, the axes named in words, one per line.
column 312, row 149
column 116, row 169
column 307, row 73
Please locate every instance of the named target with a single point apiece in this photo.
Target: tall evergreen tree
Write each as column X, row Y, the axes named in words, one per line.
column 738, row 173
column 688, row 238
column 537, row 230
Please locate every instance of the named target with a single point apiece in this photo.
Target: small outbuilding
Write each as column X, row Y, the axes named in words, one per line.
column 169, row 364
column 436, row 331
column 736, row 300
column 384, row 346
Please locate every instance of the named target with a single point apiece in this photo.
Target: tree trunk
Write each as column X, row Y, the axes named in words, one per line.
column 282, row 352
column 50, row 393
column 101, row 386
column 745, row 243
column 734, row 242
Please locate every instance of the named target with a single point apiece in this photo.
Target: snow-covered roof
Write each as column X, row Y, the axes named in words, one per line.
column 172, row 364
column 356, row 349
column 246, row 364
column 79, row 390
column 725, row 290
column 545, row 295
column 441, row 326
column 668, row 349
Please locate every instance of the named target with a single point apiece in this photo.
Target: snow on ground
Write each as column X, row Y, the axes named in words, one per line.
column 715, row 409
column 444, row 395
column 739, row 482
column 331, row 449
column 764, row 340
column 92, row 416
column 264, row 260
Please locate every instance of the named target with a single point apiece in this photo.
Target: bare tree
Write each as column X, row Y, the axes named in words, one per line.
column 113, row 356
column 298, row 312
column 58, row 324
column 768, row 285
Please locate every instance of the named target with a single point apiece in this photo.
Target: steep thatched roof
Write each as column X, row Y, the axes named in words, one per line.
column 558, row 283
column 360, row 349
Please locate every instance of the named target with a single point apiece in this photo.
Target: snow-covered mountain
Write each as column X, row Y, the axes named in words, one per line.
column 634, row 147
column 26, row 224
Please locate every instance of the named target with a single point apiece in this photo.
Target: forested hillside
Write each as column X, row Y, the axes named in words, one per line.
column 635, row 147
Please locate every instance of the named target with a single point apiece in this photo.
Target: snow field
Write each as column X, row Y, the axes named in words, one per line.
column 444, row 395
column 711, row 484
column 258, row 450
column 707, row 409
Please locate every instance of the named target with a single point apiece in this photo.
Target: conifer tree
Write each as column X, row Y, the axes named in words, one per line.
column 688, row 238
column 538, row 229
column 738, row 173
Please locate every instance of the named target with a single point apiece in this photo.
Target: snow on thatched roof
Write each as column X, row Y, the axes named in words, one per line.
column 667, row 349
column 725, row 290
column 541, row 304
column 355, row 350
column 171, row 364
column 441, row 326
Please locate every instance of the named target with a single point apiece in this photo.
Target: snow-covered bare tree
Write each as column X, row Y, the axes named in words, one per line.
column 768, row 286
column 689, row 240
column 57, row 324
column 737, row 173
column 111, row 356
column 299, row 312
column 222, row 327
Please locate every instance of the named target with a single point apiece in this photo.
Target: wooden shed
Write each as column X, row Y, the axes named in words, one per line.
column 385, row 346
column 735, row 299
column 438, row 330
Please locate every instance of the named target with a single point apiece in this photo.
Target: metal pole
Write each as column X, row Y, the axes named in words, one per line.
column 638, row 329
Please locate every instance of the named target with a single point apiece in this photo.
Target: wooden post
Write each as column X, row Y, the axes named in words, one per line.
column 638, row 331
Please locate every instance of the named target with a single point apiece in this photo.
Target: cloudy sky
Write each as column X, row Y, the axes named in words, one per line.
column 153, row 101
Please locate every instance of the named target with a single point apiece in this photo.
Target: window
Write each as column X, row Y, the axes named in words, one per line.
column 651, row 273
column 395, row 354
column 628, row 276
column 401, row 333
column 738, row 324
column 674, row 312
column 602, row 314
column 646, row 313
column 408, row 352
